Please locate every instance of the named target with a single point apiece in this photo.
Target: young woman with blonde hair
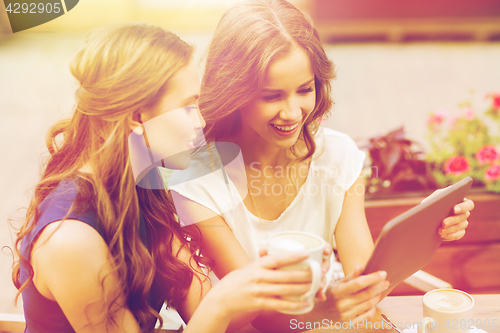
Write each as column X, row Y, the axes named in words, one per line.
column 266, row 88
column 100, row 254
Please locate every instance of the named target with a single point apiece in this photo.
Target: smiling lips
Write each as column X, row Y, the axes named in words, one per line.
column 286, row 130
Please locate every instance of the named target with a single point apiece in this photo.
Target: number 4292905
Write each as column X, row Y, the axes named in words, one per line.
column 33, row 8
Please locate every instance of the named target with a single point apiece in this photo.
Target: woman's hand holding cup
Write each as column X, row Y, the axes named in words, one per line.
column 298, row 241
column 325, row 266
column 262, row 286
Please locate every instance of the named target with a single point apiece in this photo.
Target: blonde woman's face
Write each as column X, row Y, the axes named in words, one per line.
column 284, row 103
column 172, row 125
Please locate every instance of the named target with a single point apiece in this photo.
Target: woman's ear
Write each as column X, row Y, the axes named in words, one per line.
column 135, row 123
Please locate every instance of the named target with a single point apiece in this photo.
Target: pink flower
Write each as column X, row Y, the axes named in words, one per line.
column 487, row 154
column 469, row 114
column 456, row 165
column 493, row 172
column 437, row 118
column 495, row 102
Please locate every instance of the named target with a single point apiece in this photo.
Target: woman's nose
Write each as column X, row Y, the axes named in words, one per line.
column 199, row 121
column 291, row 109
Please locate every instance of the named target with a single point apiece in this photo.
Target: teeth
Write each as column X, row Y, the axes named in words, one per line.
column 286, row 128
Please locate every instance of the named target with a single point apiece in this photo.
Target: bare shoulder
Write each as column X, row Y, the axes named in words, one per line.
column 69, row 237
column 73, row 267
column 68, row 250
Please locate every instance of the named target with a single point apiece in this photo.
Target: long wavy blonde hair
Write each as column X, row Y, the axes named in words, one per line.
column 121, row 70
column 249, row 37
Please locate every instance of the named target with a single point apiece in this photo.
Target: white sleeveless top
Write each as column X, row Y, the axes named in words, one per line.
column 335, row 166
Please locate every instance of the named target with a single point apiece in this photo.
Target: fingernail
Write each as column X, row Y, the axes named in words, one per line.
column 458, row 209
column 383, row 274
column 387, row 283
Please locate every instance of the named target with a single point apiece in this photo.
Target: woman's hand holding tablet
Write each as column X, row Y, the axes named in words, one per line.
column 408, row 242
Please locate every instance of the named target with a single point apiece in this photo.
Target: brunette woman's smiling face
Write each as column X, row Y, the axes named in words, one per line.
column 287, row 98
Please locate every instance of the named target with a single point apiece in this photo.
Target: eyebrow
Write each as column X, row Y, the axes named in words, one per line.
column 277, row 90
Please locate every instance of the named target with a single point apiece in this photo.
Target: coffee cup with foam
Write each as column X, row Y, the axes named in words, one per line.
column 299, row 241
column 446, row 311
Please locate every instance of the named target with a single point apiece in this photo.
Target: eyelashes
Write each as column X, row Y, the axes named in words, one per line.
column 271, row 98
column 307, row 90
column 275, row 97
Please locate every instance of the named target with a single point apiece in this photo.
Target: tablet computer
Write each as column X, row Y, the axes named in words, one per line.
column 408, row 242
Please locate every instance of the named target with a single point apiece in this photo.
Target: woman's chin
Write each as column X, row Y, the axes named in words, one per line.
column 285, row 142
column 178, row 162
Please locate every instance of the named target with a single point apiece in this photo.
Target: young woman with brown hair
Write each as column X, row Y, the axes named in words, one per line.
column 266, row 88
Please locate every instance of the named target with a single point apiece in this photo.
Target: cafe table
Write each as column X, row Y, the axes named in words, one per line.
column 404, row 311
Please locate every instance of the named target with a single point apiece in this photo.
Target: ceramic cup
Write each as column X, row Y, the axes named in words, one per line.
column 446, row 311
column 298, row 241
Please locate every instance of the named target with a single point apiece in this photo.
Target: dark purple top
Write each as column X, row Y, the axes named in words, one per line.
column 43, row 315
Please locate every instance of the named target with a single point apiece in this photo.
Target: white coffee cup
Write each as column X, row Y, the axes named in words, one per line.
column 299, row 241
column 446, row 311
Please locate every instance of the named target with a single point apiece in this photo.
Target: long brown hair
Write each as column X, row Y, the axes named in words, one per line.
column 249, row 37
column 121, row 69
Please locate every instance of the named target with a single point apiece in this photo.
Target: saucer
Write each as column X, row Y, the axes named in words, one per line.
column 413, row 329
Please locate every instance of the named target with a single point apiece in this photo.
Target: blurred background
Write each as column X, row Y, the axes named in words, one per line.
column 397, row 61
